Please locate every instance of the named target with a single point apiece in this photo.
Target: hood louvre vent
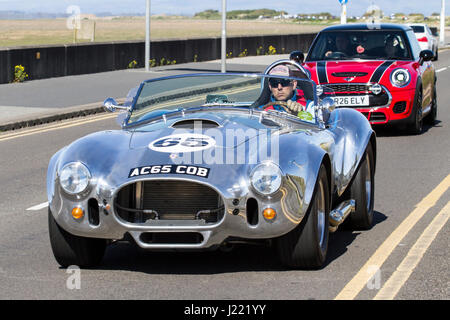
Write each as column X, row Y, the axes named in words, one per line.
column 195, row 123
column 349, row 74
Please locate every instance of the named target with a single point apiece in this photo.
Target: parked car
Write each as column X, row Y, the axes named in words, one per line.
column 379, row 70
column 426, row 38
column 202, row 162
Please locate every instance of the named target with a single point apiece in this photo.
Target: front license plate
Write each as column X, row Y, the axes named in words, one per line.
column 351, row 101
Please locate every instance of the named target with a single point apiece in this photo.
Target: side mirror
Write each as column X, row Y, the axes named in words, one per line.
column 426, row 55
column 111, row 105
column 326, row 107
column 297, row 56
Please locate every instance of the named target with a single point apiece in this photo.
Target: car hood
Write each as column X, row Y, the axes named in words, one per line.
column 353, row 71
column 113, row 155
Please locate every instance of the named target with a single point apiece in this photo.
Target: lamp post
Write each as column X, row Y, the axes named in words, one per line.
column 343, row 11
column 442, row 27
column 147, row 36
column 224, row 36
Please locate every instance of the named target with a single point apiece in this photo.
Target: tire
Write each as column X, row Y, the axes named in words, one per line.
column 306, row 246
column 362, row 191
column 69, row 249
column 416, row 126
column 432, row 116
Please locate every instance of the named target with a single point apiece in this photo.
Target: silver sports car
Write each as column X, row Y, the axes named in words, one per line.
column 203, row 161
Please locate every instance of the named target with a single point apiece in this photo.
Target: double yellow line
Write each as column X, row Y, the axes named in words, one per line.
column 401, row 275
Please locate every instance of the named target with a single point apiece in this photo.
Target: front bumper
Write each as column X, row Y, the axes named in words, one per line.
column 239, row 220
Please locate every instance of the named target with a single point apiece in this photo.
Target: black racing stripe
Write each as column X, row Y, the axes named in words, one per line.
column 378, row 73
column 322, row 71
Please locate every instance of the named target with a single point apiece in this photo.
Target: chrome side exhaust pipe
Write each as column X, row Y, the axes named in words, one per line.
column 340, row 213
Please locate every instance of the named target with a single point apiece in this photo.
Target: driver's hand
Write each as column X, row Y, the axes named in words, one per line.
column 328, row 53
column 294, row 106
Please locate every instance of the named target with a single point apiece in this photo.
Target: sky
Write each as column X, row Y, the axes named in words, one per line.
column 189, row 7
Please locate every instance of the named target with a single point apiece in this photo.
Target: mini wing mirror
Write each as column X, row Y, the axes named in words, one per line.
column 111, row 105
column 426, row 55
column 297, row 56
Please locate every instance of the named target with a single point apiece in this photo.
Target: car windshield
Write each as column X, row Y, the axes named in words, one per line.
column 370, row 45
column 181, row 93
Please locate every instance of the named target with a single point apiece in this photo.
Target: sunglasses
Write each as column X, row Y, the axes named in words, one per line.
column 284, row 82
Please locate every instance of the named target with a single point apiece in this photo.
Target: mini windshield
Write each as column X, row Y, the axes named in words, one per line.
column 187, row 92
column 370, row 45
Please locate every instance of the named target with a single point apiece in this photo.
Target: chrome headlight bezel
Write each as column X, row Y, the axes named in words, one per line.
column 400, row 83
column 266, row 169
column 74, row 178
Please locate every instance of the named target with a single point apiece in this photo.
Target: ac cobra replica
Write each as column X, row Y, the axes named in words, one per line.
column 199, row 163
column 379, row 70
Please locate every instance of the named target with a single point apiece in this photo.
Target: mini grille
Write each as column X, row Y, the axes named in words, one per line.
column 348, row 87
column 377, row 117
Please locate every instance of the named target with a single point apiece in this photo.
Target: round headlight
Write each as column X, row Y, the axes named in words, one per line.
column 74, row 177
column 266, row 178
column 400, row 77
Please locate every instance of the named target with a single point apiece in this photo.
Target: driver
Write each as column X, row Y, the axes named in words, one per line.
column 285, row 90
column 342, row 45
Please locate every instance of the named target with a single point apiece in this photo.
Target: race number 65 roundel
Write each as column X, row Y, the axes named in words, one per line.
column 183, row 142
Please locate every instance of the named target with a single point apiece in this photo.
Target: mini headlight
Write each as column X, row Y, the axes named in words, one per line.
column 400, row 77
column 266, row 178
column 74, row 177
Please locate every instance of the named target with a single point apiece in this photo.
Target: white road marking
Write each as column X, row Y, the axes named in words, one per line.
column 38, row 207
column 405, row 269
column 366, row 273
column 441, row 69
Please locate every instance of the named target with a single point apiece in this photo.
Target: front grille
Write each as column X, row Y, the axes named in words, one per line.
column 377, row 117
column 348, row 88
column 168, row 200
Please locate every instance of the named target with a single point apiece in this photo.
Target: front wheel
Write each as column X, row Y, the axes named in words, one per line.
column 416, row 126
column 306, row 246
column 69, row 249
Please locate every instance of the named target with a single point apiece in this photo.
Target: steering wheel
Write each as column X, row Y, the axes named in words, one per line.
column 283, row 104
column 337, row 54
